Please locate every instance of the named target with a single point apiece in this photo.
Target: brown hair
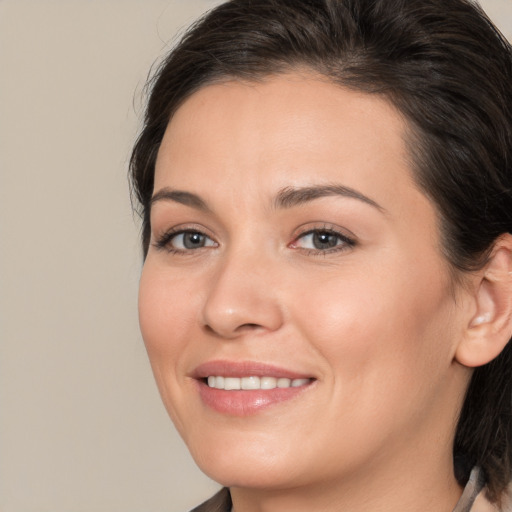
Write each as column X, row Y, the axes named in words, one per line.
column 447, row 69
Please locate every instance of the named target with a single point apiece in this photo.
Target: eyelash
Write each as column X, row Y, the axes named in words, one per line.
column 343, row 242
column 164, row 241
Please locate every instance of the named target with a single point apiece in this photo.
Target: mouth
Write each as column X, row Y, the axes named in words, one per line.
column 246, row 388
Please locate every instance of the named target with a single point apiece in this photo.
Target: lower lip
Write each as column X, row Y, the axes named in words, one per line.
column 248, row 402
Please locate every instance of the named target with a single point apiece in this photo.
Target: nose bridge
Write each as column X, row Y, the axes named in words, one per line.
column 240, row 295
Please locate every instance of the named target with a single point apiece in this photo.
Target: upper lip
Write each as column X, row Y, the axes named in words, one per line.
column 244, row 369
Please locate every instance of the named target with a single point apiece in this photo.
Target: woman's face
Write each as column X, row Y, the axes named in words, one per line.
column 290, row 247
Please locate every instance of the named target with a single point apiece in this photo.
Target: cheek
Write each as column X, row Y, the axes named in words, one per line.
column 386, row 348
column 165, row 322
column 152, row 310
column 381, row 324
column 163, row 317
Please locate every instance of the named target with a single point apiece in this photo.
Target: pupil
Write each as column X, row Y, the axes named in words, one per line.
column 193, row 240
column 324, row 240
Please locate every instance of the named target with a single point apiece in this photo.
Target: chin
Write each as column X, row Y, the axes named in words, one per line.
column 249, row 465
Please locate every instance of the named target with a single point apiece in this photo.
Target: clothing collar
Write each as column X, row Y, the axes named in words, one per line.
column 473, row 488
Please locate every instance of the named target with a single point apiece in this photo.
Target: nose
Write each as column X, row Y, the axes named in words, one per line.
column 242, row 299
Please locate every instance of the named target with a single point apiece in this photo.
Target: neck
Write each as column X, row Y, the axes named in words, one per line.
column 428, row 486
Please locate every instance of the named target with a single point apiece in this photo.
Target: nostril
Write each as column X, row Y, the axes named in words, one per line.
column 248, row 327
column 237, row 331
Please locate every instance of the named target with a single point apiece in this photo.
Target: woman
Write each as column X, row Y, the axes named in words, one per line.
column 326, row 298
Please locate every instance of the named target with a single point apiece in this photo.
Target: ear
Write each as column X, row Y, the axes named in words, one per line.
column 490, row 326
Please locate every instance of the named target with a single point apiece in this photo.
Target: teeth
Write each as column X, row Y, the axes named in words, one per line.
column 231, row 383
column 247, row 383
column 283, row 383
column 250, row 383
column 268, row 382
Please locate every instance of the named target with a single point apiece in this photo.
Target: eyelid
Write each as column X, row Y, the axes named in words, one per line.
column 162, row 241
column 344, row 235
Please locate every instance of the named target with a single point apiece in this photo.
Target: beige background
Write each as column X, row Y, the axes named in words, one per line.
column 81, row 424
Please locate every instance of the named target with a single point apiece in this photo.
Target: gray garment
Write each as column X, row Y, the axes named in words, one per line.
column 473, row 488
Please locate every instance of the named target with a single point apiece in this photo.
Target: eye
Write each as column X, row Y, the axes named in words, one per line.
column 186, row 240
column 322, row 240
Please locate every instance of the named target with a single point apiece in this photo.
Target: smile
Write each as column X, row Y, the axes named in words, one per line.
column 253, row 382
column 246, row 388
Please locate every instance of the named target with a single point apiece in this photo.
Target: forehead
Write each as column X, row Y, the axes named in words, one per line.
column 286, row 130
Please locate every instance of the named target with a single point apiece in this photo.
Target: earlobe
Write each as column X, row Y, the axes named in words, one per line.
column 490, row 328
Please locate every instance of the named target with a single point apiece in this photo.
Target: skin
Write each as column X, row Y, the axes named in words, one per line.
column 376, row 322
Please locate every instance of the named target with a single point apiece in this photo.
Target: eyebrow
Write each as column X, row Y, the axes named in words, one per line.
column 287, row 197
column 293, row 196
column 179, row 196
